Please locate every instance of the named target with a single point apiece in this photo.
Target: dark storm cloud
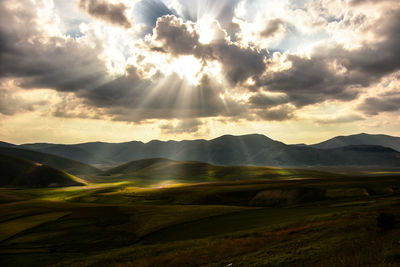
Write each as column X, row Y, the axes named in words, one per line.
column 109, row 12
column 239, row 63
column 314, row 79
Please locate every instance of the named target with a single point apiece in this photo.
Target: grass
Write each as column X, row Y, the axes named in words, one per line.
column 13, row 227
column 315, row 221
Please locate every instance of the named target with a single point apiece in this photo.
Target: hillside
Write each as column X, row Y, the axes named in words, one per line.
column 165, row 169
column 5, row 144
column 64, row 164
column 361, row 139
column 25, row 173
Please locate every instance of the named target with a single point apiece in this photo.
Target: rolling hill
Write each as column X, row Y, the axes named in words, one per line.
column 165, row 169
column 361, row 139
column 64, row 164
column 25, row 173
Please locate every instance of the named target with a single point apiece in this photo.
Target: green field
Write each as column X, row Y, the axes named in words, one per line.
column 291, row 219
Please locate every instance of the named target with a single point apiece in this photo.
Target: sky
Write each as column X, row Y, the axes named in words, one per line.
column 121, row 70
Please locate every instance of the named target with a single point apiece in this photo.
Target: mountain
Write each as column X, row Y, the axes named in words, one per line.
column 166, row 169
column 66, row 151
column 361, row 139
column 91, row 153
column 225, row 150
column 57, row 162
column 231, row 150
column 4, row 144
column 25, row 173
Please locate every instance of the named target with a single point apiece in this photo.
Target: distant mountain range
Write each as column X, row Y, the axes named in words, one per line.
column 361, row 139
column 354, row 150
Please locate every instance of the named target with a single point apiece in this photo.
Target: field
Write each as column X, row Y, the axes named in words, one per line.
column 297, row 219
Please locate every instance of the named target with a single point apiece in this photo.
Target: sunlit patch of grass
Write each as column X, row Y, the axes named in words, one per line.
column 13, row 227
column 191, row 224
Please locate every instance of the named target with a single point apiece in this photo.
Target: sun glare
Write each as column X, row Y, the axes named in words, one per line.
column 187, row 67
column 206, row 30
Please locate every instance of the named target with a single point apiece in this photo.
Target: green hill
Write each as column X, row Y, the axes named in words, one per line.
column 25, row 173
column 166, row 169
column 67, row 165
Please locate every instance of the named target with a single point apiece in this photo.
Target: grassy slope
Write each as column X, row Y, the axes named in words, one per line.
column 155, row 170
column 57, row 162
column 300, row 222
column 21, row 172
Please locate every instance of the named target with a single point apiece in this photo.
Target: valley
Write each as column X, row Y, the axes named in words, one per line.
column 165, row 212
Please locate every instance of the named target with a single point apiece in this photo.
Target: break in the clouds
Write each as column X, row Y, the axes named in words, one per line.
column 194, row 62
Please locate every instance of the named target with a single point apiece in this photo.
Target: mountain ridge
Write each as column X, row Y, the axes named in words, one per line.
column 360, row 139
column 252, row 149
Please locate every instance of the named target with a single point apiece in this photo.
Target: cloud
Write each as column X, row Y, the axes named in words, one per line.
column 69, row 65
column 340, row 119
column 272, row 28
column 361, row 2
column 223, row 11
column 332, row 72
column 11, row 104
column 234, row 79
column 109, row 12
column 180, row 38
column 177, row 37
column 14, row 100
column 182, row 127
column 379, row 104
column 43, row 61
column 131, row 98
column 148, row 11
column 280, row 113
column 261, row 100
